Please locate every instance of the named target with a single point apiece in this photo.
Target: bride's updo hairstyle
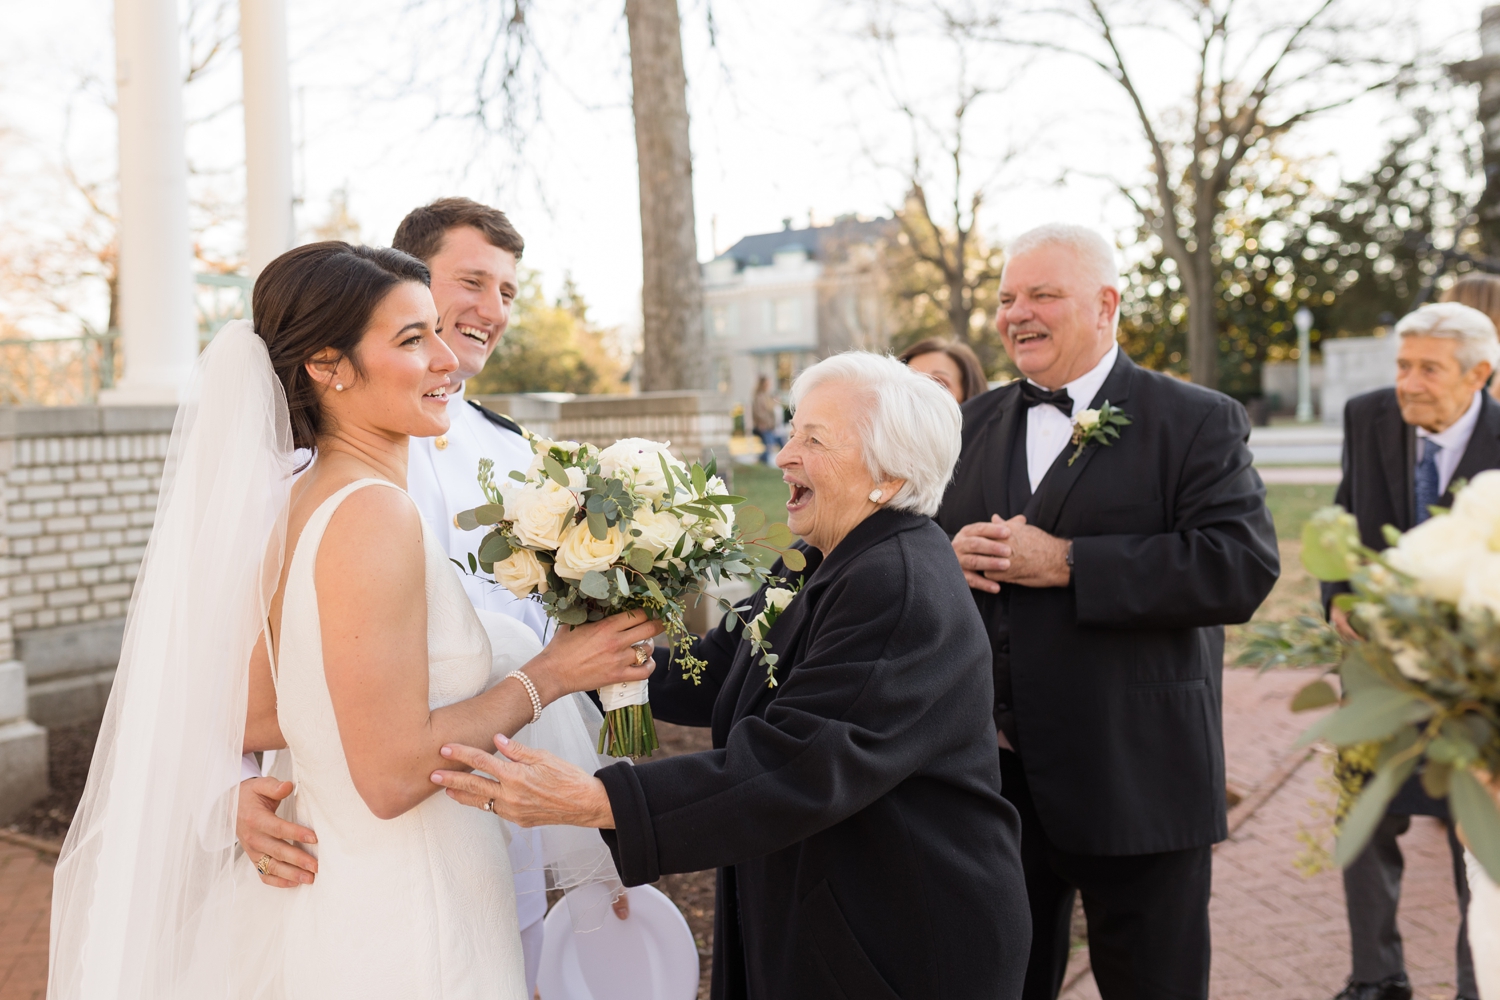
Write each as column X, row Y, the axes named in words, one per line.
column 317, row 297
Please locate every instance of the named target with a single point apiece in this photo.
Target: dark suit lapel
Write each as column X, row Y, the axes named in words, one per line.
column 1395, row 463
column 1046, row 505
column 995, row 454
column 1483, row 451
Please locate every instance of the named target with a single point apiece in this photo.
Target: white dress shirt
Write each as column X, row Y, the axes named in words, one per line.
column 1454, row 441
column 443, row 481
column 1048, row 431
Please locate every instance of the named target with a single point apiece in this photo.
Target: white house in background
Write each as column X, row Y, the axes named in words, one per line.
column 776, row 302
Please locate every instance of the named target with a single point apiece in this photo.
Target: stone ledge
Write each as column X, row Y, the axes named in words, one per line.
column 78, row 421
column 70, row 649
column 23, row 767
column 70, row 701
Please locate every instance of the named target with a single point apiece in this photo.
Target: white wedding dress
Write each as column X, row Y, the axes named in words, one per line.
column 420, row 906
column 1484, row 929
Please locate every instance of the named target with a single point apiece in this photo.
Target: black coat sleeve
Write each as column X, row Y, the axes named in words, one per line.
column 675, row 698
column 852, row 719
column 1344, row 497
column 1214, row 569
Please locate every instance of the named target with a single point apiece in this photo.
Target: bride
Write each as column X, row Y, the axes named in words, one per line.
column 364, row 656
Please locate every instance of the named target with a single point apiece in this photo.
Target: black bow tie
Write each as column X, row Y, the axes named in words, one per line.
column 1034, row 395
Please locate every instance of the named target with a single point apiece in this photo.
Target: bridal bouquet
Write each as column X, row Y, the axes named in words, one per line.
column 1422, row 685
column 592, row 532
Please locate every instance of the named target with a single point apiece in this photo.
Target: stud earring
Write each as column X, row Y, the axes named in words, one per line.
column 339, row 387
column 875, row 496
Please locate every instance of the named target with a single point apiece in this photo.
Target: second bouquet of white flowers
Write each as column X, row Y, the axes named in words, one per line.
column 591, row 533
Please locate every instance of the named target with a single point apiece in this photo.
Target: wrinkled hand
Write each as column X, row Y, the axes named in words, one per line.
column 1339, row 619
column 261, row 832
column 531, row 787
column 590, row 656
column 980, row 549
column 1031, row 557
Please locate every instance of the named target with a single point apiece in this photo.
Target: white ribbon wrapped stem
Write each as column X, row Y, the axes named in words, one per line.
column 623, row 695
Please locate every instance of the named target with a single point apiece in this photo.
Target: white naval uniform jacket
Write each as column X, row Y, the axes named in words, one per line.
column 442, row 477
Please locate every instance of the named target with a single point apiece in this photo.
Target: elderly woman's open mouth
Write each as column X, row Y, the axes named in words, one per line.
column 801, row 496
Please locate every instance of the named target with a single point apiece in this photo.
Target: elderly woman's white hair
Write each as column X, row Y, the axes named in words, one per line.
column 911, row 428
column 1471, row 328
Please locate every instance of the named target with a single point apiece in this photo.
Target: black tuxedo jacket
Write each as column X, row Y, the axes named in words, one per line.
column 854, row 810
column 1378, row 488
column 1111, row 687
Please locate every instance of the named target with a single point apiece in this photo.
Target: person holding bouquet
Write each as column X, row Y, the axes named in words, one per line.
column 1404, row 449
column 852, row 798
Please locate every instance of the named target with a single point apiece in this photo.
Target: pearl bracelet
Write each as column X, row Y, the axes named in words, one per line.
column 536, row 699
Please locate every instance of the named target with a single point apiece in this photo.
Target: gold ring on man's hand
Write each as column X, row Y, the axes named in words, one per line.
column 489, row 806
column 264, row 864
column 642, row 653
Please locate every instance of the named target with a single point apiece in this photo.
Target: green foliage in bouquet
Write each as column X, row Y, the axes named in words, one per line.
column 1422, row 686
column 592, row 533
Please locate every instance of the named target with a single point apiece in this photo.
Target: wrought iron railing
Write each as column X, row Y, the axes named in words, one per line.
column 69, row 371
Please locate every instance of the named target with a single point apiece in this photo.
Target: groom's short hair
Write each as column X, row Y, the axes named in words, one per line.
column 422, row 232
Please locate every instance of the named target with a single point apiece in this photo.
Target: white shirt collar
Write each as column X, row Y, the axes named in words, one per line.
column 1085, row 387
column 1455, row 438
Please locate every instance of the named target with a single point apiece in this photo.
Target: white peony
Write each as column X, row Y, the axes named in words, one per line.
column 659, row 530
column 540, row 512
column 1479, row 503
column 1481, row 590
column 1439, row 553
column 522, row 573
column 581, row 552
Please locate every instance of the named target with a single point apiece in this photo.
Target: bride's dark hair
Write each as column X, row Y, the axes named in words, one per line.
column 321, row 296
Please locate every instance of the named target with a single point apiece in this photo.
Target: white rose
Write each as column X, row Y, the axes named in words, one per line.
column 636, row 461
column 1479, row 503
column 1481, row 591
column 1087, row 419
column 522, row 573
column 577, row 478
column 1439, row 553
column 581, row 552
column 659, row 530
column 540, row 513
column 777, row 598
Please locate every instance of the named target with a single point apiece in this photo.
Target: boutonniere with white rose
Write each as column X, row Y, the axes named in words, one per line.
column 756, row 630
column 1101, row 427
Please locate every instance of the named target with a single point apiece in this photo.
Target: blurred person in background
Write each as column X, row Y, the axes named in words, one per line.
column 1482, row 292
column 954, row 365
column 765, row 416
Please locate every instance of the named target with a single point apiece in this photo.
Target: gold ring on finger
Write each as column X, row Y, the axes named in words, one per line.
column 264, row 864
column 642, row 652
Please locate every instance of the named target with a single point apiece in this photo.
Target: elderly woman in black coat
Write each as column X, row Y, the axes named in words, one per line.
column 852, row 807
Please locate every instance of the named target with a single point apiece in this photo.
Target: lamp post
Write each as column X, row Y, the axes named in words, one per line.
column 1304, row 320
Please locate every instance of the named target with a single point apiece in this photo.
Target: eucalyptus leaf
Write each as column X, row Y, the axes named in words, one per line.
column 794, row 560
column 465, row 520
column 1369, row 715
column 779, row 536
column 518, row 475
column 555, row 470
column 1329, row 540
column 641, row 560
column 722, row 499
column 750, row 519
column 700, row 479
column 490, row 513
column 1475, row 812
column 1435, row 779
column 1369, row 810
column 595, row 585
column 473, row 564
column 572, row 616
column 1315, row 695
column 494, row 548
column 655, row 590
column 598, row 526
column 623, row 583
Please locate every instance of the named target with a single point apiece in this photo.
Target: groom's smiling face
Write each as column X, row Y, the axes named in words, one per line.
column 473, row 284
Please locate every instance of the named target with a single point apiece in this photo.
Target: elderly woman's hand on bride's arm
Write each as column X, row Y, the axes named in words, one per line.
column 590, row 656
column 531, row 787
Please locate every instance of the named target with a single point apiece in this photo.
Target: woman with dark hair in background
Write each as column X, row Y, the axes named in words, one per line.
column 1479, row 291
column 953, row 364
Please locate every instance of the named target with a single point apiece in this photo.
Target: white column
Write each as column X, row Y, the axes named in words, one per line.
column 268, row 132
column 157, row 325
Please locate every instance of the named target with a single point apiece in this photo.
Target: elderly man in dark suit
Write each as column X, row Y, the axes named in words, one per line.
column 1405, row 448
column 1104, row 570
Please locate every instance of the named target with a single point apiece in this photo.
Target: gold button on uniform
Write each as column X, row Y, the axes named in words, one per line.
column 441, row 443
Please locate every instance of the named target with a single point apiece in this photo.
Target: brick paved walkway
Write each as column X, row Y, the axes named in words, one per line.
column 1278, row 935
column 25, row 906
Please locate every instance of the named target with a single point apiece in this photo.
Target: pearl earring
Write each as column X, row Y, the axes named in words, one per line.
column 875, row 496
column 339, row 387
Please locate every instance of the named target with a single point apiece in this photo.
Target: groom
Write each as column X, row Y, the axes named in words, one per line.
column 1104, row 570
column 472, row 251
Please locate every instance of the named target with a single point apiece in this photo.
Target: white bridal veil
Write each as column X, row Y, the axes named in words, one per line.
column 140, row 907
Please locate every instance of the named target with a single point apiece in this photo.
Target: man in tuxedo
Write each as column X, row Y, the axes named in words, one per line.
column 1105, row 570
column 1404, row 449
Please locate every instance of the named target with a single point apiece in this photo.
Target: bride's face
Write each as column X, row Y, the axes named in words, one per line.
column 402, row 386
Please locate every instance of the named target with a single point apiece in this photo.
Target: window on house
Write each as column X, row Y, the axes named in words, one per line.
column 787, row 318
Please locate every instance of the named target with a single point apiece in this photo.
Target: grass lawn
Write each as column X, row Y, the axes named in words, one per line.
column 1296, row 592
column 1291, row 506
column 761, row 486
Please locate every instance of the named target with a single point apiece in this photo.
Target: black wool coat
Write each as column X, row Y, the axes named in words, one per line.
column 1111, row 688
column 1379, row 488
column 854, row 810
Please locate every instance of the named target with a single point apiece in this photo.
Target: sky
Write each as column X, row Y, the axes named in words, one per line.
column 792, row 118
